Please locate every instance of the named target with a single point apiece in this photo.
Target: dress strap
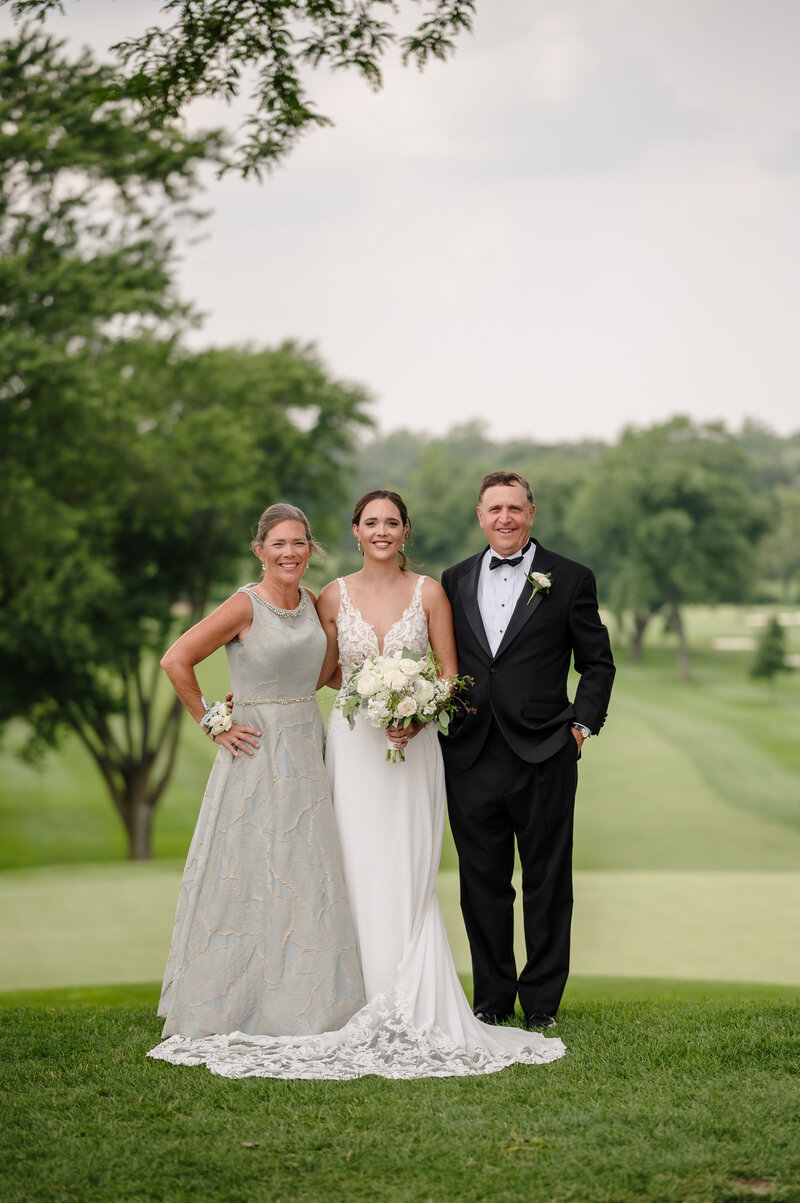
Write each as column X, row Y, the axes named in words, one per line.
column 344, row 596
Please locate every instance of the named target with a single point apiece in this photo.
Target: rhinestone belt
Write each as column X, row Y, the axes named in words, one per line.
column 312, row 697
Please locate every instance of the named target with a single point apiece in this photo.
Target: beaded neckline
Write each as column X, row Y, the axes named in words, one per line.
column 295, row 613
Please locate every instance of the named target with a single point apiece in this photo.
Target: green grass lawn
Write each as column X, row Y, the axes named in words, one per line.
column 665, row 1098
column 675, row 1086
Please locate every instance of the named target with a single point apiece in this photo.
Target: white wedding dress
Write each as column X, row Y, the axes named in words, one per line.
column 416, row 1022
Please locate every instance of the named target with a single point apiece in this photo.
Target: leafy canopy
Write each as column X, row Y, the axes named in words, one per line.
column 216, row 48
column 670, row 514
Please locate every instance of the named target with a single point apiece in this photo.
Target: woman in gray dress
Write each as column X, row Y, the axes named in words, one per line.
column 263, row 941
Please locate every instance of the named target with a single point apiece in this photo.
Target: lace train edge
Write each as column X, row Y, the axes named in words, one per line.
column 387, row 1053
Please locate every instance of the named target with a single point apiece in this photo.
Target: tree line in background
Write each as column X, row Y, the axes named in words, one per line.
column 134, row 469
column 678, row 514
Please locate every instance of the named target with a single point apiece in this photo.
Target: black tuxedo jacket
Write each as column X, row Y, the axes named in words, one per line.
column 524, row 685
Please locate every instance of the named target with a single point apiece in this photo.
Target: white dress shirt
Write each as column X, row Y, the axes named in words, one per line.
column 498, row 593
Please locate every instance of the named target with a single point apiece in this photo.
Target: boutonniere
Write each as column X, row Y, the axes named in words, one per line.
column 541, row 582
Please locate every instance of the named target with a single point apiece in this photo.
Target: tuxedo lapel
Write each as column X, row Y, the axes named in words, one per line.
column 468, row 596
column 526, row 608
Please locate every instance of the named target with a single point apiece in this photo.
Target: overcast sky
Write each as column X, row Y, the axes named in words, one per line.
column 588, row 218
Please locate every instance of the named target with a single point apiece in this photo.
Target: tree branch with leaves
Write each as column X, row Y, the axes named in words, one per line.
column 218, row 48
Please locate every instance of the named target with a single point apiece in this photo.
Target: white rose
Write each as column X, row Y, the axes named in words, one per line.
column 410, row 667
column 368, row 685
column 406, row 708
column 541, row 580
column 424, row 692
column 395, row 678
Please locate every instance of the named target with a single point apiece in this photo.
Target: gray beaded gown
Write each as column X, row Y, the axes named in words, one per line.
column 263, row 941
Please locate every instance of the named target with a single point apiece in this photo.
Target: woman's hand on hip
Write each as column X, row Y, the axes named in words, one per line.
column 239, row 739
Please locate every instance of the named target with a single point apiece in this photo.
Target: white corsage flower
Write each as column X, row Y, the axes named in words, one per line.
column 541, row 583
column 217, row 719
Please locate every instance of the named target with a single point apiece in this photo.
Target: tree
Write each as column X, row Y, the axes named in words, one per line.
column 442, row 494
column 780, row 548
column 670, row 518
column 213, row 45
column 132, row 470
column 770, row 654
column 187, row 452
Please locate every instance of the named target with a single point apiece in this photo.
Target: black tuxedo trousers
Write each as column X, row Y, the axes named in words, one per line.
column 499, row 800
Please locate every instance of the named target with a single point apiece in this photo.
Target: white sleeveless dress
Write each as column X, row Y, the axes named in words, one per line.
column 416, row 1022
column 391, row 821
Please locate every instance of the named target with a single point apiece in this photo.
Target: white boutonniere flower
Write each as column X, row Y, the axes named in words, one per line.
column 541, row 582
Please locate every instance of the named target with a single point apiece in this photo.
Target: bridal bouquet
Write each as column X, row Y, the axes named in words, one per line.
column 396, row 690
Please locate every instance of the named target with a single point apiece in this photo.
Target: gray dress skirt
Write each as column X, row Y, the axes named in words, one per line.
column 263, row 941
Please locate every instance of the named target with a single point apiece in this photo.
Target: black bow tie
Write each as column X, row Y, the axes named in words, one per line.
column 496, row 561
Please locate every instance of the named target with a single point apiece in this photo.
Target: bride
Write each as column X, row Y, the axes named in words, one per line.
column 416, row 1021
column 391, row 819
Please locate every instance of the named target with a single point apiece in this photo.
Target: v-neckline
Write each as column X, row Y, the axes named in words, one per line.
column 394, row 624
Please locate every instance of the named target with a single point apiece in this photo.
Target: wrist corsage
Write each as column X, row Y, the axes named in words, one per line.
column 217, row 719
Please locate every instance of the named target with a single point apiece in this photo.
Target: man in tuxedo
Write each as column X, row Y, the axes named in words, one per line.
column 521, row 615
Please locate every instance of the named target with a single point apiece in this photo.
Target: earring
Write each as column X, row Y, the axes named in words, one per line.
column 403, row 545
column 263, row 566
column 360, row 548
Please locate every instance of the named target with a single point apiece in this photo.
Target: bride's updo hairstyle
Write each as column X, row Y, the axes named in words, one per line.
column 396, row 500
column 281, row 511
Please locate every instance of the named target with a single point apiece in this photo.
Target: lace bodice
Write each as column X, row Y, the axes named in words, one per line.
column 357, row 638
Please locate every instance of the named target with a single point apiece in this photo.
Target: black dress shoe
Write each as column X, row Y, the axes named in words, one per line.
column 491, row 1017
column 539, row 1019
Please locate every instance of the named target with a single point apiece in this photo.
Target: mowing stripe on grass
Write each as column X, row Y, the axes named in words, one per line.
column 75, row 925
